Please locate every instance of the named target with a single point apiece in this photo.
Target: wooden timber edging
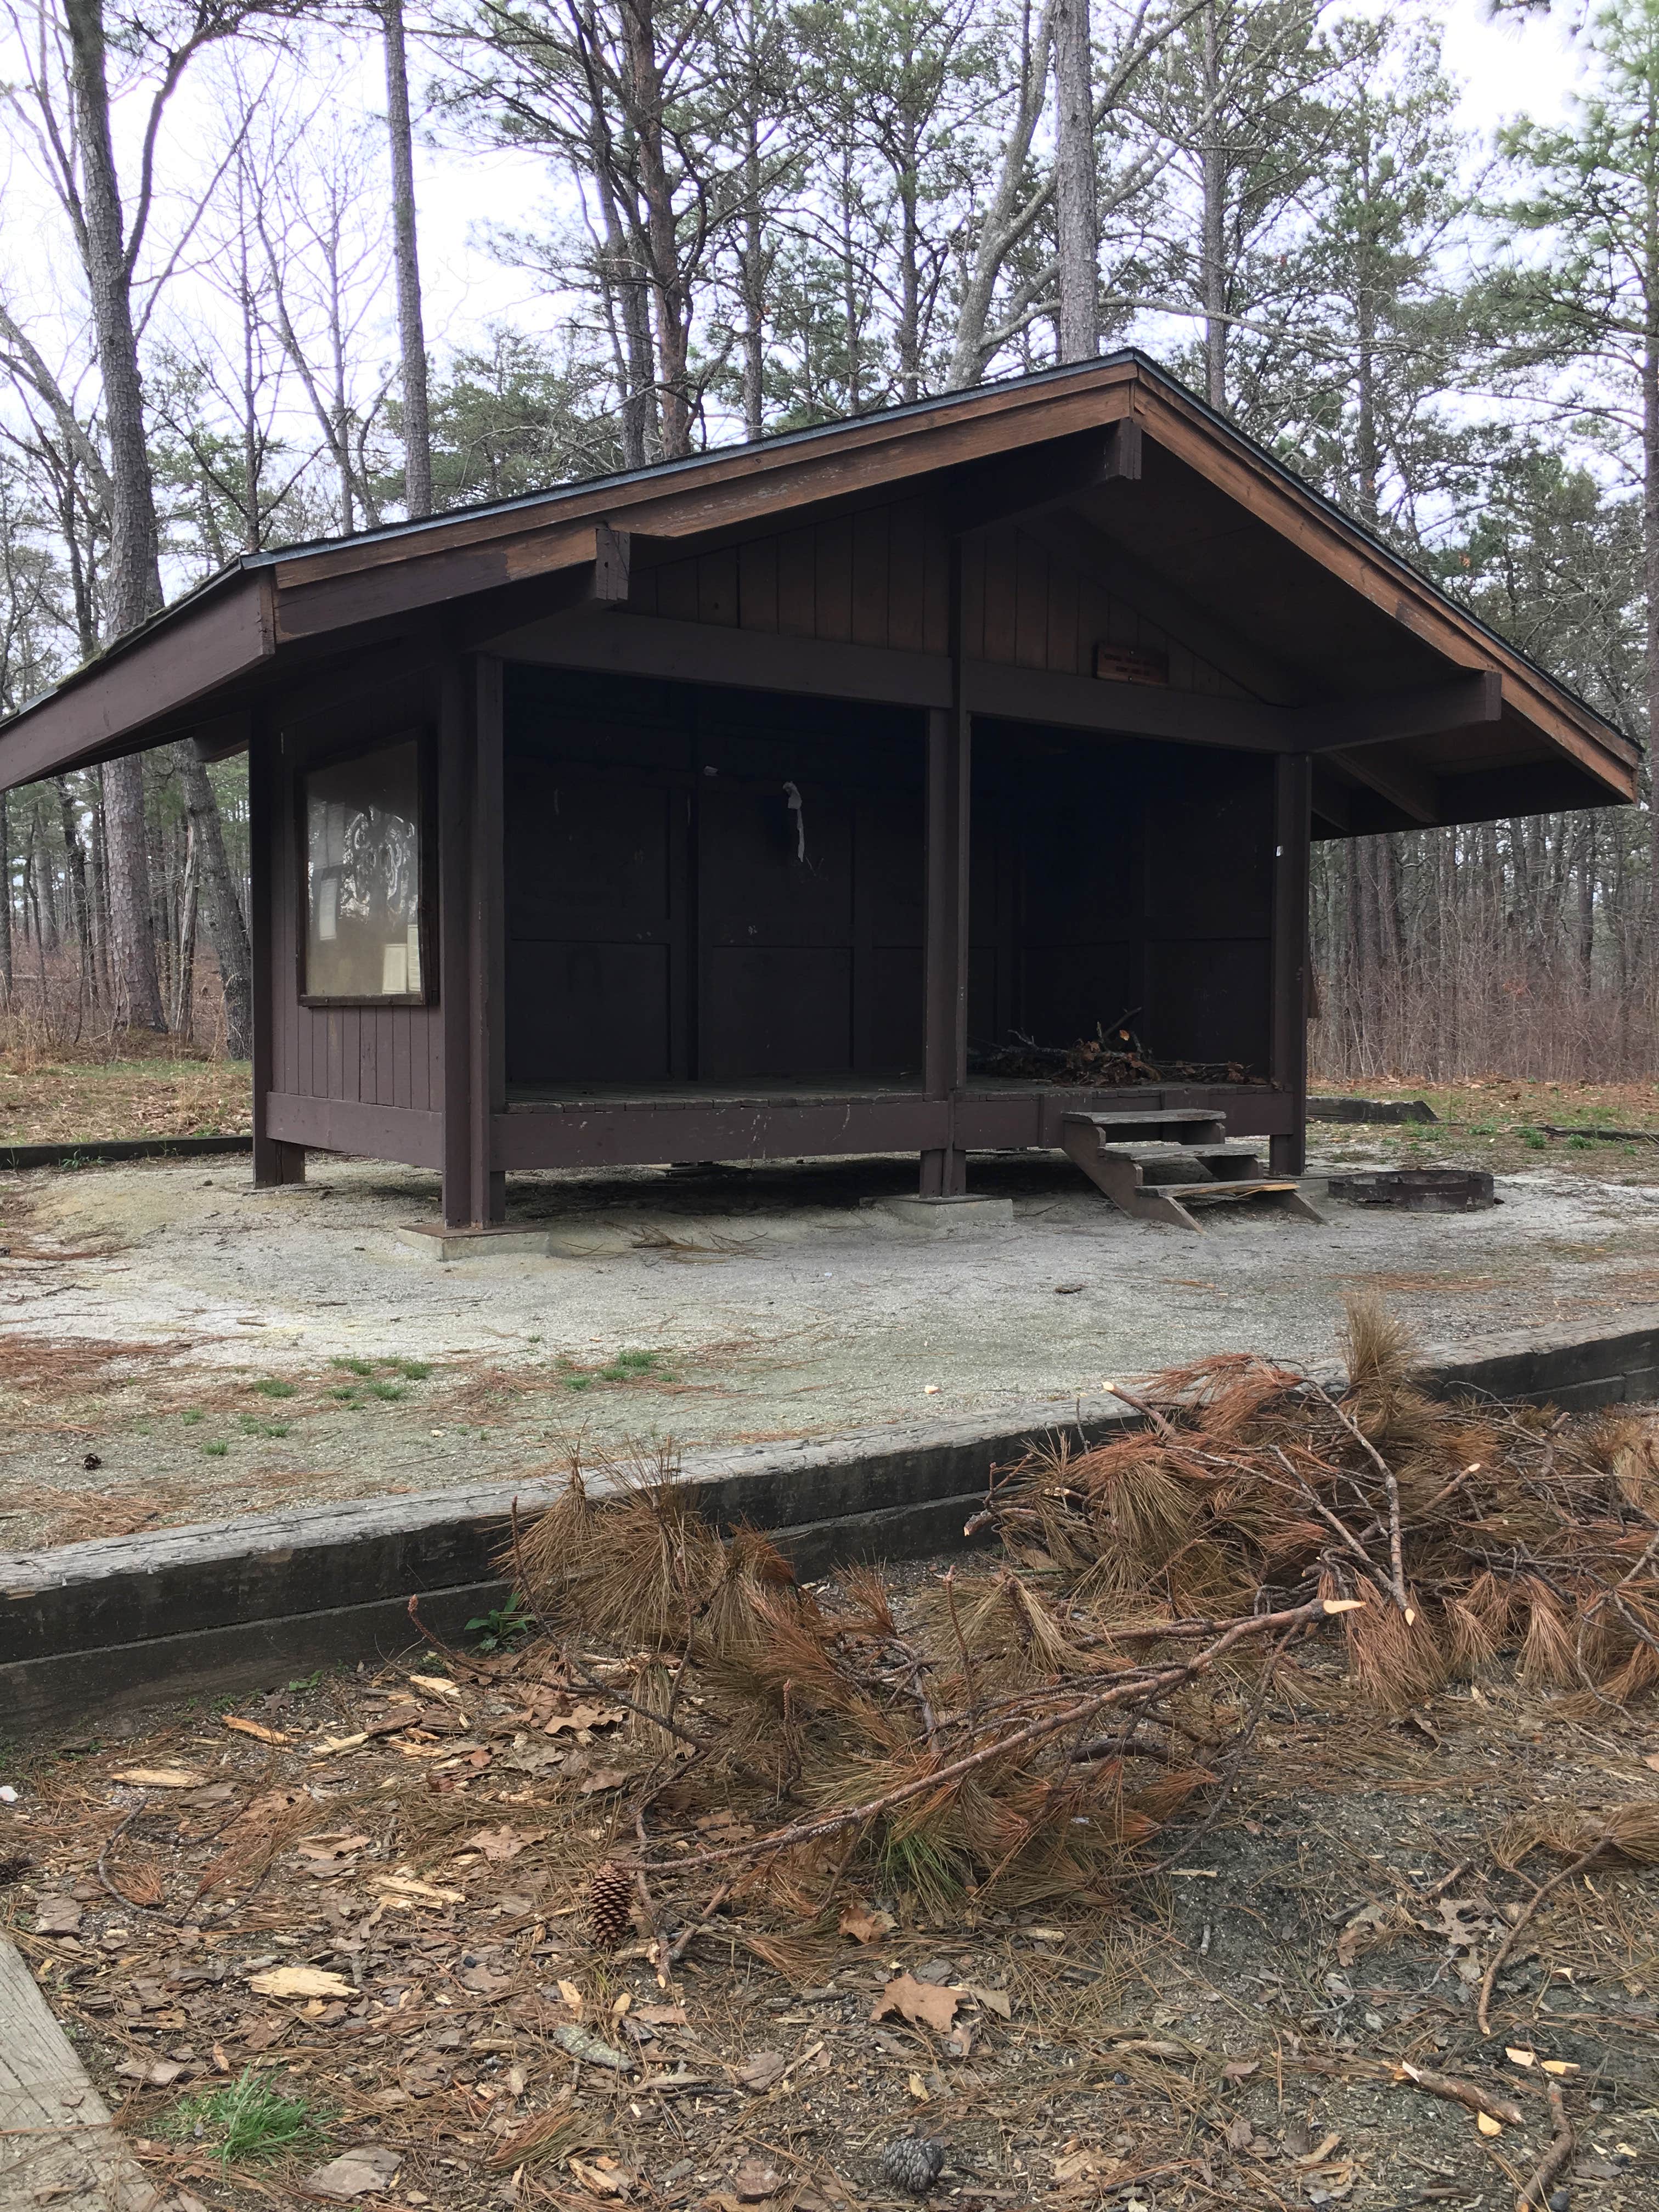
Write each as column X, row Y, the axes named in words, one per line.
column 1370, row 1109
column 103, row 1151
column 231, row 1605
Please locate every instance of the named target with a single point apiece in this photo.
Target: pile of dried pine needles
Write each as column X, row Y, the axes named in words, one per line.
column 1037, row 1724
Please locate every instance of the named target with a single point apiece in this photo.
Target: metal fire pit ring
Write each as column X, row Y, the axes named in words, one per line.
column 1419, row 1191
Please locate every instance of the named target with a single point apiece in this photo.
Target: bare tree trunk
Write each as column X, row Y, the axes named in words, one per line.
column 5, row 895
column 411, row 335
column 74, row 854
column 1075, row 193
column 135, row 575
column 226, row 927
column 1651, row 554
column 753, row 273
column 185, row 996
column 1215, row 186
column 1587, row 904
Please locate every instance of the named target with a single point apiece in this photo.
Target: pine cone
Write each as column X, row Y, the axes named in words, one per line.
column 609, row 1907
column 914, row 2162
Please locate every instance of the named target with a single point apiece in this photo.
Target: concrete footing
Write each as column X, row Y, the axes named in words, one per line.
column 231, row 1605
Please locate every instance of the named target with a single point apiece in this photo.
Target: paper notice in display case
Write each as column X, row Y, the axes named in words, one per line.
column 364, row 864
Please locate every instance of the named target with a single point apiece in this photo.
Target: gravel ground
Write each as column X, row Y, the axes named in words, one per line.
column 178, row 1345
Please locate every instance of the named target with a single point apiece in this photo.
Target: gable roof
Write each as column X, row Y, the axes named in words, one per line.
column 1220, row 522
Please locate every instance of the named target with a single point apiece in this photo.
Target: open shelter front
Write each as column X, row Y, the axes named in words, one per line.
column 803, row 798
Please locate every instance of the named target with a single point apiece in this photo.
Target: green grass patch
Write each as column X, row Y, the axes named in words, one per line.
column 412, row 1370
column 253, row 1427
column 217, row 1449
column 272, row 1386
column 387, row 1390
column 364, row 1367
column 249, row 2119
column 190, row 1415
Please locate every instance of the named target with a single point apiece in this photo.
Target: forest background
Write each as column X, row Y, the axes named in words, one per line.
column 669, row 224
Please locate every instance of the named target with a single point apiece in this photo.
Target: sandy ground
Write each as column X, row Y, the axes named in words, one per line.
column 175, row 1345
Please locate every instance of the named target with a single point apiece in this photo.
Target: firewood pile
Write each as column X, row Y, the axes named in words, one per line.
column 1041, row 1723
column 1109, row 1060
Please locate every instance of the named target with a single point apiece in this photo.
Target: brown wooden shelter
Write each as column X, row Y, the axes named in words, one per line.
column 715, row 811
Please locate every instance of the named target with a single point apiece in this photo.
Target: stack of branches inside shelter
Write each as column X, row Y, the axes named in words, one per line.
column 1110, row 1059
column 1071, row 1715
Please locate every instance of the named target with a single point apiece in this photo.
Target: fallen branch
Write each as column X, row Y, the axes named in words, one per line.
column 1461, row 2091
column 1484, row 2013
column 1145, row 1685
column 1535, row 2196
column 1391, row 1481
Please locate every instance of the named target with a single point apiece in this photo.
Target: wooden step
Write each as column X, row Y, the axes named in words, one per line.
column 1122, row 1128
column 1213, row 1194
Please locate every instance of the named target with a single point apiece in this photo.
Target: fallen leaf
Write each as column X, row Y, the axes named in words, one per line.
column 56, row 1916
column 1521, row 2058
column 483, row 1979
column 863, row 1925
column 439, row 1685
column 656, row 2015
column 594, row 2178
column 1652, row 1760
column 161, row 1778
column 926, row 2004
column 500, row 1844
column 997, row 2001
column 405, row 1884
column 759, row 2071
column 154, row 2074
column 1321, row 2152
column 573, row 1998
column 604, row 1777
column 330, row 1849
column 1240, row 2133
column 1557, row 2066
column 365, row 2170
column 1370, row 1920
column 582, row 1717
column 1078, row 2162
column 756, row 2179
column 918, row 2088
column 1240, row 2070
column 1487, row 2126
column 299, row 1982
column 254, row 1728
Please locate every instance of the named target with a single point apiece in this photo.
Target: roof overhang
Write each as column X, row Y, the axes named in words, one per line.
column 1214, row 508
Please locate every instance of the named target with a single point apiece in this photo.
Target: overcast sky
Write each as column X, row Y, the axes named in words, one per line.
column 1509, row 66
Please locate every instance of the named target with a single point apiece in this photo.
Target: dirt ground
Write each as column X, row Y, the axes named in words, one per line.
column 177, row 1346
column 1236, row 2032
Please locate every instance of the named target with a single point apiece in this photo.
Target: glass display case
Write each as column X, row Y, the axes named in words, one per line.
column 366, row 866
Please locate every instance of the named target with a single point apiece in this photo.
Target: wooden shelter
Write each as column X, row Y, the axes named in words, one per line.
column 717, row 810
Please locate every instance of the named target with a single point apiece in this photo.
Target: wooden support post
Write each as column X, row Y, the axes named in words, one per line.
column 471, row 938
column 944, row 1017
column 270, row 849
column 1292, row 796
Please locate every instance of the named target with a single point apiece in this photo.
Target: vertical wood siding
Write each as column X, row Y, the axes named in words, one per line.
column 367, row 1056
column 879, row 578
